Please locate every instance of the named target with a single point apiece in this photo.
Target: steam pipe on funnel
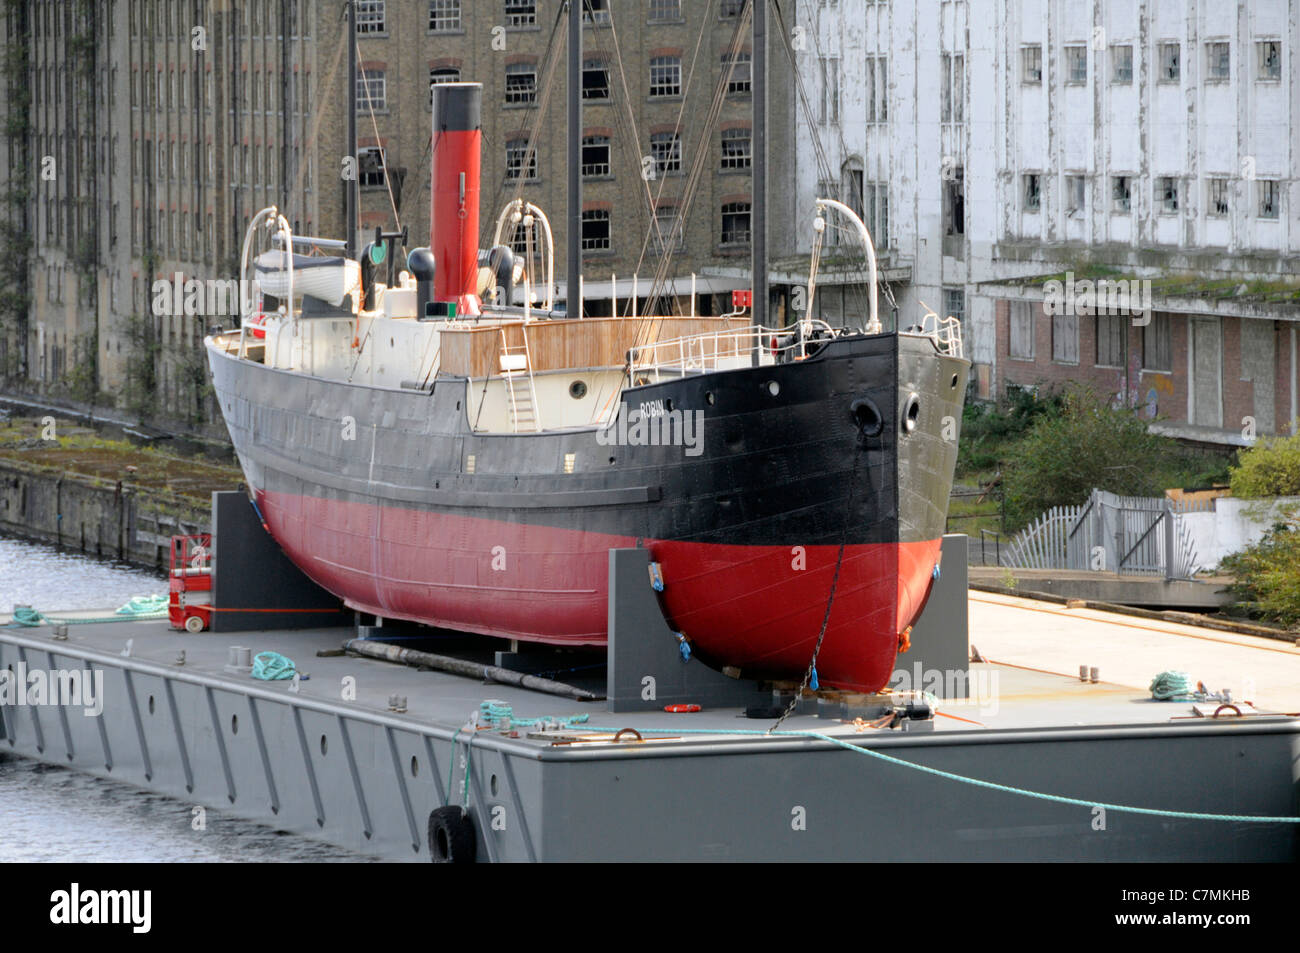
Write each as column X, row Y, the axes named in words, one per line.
column 454, row 194
column 573, row 241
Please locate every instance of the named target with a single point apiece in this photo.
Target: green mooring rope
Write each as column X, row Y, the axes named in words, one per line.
column 1172, row 686
column 1005, row 788
column 272, row 666
column 140, row 607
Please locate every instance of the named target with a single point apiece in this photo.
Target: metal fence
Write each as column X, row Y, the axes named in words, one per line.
column 1110, row 533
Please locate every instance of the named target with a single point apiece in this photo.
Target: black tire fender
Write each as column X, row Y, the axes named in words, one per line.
column 451, row 836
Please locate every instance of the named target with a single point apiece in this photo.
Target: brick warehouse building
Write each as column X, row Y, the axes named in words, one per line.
column 1207, row 374
column 1158, row 143
column 163, row 147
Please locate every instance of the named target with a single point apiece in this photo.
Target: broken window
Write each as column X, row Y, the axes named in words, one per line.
column 1269, row 55
column 1121, row 65
column 521, row 84
column 595, row 230
column 444, row 16
column 370, row 16
column 735, row 223
column 520, row 13
column 1217, row 59
column 520, row 163
column 1075, row 196
column 953, row 85
column 876, row 196
column 666, row 76
column 954, row 304
column 595, row 79
column 1170, row 62
column 1269, row 195
column 1033, row 192
column 1218, row 199
column 1167, row 191
column 440, row 75
column 595, row 156
column 1076, row 65
column 666, row 148
column 370, row 167
column 1120, row 195
column 954, row 203
column 1031, row 64
column 668, row 227
column 738, row 71
column 736, row 149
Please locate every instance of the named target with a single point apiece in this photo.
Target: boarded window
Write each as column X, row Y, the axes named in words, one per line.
column 1110, row 340
column 1065, row 338
column 1157, row 347
column 1022, row 331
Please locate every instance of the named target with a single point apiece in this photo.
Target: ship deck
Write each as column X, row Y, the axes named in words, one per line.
column 706, row 785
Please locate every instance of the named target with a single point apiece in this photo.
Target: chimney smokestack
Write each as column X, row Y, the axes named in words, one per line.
column 454, row 187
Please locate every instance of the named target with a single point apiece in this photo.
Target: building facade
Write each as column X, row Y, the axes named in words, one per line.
column 1003, row 145
column 142, row 135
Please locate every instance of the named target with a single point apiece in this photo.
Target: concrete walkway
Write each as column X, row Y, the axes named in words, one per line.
column 1132, row 651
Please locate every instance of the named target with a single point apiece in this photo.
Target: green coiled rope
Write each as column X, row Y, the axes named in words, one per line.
column 272, row 666
column 1172, row 686
column 139, row 607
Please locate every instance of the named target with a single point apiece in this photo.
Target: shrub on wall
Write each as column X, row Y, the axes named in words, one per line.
column 1270, row 468
column 1267, row 575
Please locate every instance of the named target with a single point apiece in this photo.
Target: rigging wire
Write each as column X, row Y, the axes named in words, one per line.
column 383, row 153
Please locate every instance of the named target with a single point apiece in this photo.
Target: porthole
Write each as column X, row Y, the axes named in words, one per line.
column 324, row 745
column 954, row 382
column 578, row 390
column 867, row 416
column 773, row 388
column 234, row 724
column 710, row 398
column 911, row 412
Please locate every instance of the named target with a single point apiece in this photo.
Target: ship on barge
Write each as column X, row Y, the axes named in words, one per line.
column 429, row 451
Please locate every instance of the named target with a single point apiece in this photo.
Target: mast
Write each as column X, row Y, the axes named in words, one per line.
column 573, row 243
column 350, row 185
column 758, row 208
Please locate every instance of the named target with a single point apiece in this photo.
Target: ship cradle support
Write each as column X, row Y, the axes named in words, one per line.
column 357, row 775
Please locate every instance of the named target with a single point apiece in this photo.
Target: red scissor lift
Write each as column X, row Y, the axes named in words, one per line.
column 190, row 605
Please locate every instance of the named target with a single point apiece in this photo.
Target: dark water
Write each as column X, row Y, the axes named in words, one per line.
column 50, row 813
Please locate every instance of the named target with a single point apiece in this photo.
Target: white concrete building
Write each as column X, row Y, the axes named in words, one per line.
column 1013, row 138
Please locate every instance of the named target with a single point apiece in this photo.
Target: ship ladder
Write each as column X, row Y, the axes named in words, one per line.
column 516, row 366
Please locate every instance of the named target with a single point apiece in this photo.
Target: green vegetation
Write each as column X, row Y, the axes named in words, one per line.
column 1053, row 448
column 1270, row 468
column 1267, row 575
column 80, row 451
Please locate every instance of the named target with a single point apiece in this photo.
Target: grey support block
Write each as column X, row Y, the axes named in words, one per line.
column 250, row 571
column 643, row 653
column 941, row 636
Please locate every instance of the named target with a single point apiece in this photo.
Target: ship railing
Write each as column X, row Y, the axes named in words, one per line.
column 715, row 350
column 945, row 332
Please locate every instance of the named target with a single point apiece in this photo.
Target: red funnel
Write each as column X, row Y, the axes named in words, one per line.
column 453, row 217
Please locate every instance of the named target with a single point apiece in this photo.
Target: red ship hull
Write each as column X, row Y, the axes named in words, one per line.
column 491, row 577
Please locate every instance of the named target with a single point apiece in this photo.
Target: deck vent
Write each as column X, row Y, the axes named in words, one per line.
column 469, row 463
